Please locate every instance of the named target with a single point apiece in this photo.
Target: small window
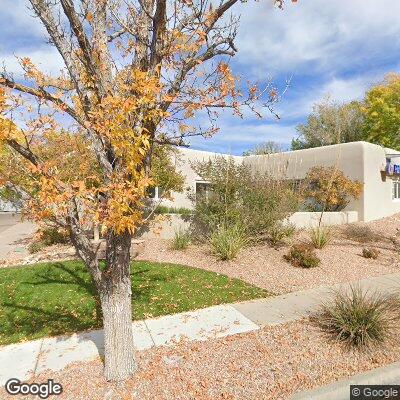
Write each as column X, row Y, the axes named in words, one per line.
column 203, row 189
column 155, row 192
column 396, row 189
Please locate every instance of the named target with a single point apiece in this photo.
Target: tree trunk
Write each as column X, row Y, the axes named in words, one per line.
column 115, row 295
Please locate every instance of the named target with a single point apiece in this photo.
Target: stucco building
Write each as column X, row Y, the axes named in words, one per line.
column 376, row 167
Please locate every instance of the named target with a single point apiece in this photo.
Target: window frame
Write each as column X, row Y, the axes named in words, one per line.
column 396, row 189
column 206, row 191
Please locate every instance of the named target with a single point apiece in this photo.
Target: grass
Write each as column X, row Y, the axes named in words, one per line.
column 359, row 318
column 320, row 236
column 226, row 243
column 57, row 298
column 181, row 240
column 174, row 210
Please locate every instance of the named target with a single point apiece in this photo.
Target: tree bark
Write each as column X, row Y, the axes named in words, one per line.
column 115, row 296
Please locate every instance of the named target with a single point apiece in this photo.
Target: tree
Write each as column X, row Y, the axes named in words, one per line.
column 135, row 73
column 269, row 147
column 382, row 112
column 331, row 123
column 329, row 189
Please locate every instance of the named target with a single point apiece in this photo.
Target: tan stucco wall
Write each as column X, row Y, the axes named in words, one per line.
column 348, row 157
column 360, row 161
column 183, row 165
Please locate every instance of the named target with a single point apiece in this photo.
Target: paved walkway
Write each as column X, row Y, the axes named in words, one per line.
column 13, row 231
column 27, row 359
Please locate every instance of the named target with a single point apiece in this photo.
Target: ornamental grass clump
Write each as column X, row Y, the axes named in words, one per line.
column 302, row 256
column 359, row 318
column 280, row 232
column 226, row 242
column 320, row 236
column 181, row 240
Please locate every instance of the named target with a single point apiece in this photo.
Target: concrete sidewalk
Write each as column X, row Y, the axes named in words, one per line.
column 27, row 359
column 302, row 304
column 12, row 232
column 24, row 360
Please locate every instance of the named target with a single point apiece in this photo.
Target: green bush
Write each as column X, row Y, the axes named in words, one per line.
column 181, row 240
column 173, row 210
column 359, row 318
column 239, row 197
column 227, row 242
column 370, row 253
column 48, row 237
column 279, row 232
column 35, row 247
column 302, row 256
column 320, row 236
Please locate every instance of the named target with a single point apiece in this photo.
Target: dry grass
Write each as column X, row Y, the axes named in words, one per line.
column 360, row 318
column 361, row 233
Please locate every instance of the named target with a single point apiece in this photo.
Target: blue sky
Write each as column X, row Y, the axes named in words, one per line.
column 327, row 47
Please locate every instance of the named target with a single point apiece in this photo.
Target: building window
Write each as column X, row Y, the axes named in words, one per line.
column 203, row 190
column 396, row 189
column 155, row 192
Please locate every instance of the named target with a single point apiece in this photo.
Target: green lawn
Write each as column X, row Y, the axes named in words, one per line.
column 55, row 298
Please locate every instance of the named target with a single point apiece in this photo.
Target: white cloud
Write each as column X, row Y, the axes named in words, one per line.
column 46, row 58
column 235, row 135
column 316, row 34
column 341, row 90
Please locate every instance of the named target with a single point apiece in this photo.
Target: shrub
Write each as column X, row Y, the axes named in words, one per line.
column 328, row 189
column 35, row 247
column 359, row 318
column 302, row 256
column 181, row 240
column 226, row 242
column 361, row 233
column 48, row 237
column 238, row 197
column 279, row 232
column 173, row 210
column 370, row 253
column 320, row 236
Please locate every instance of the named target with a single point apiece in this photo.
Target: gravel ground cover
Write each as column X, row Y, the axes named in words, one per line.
column 265, row 267
column 271, row 363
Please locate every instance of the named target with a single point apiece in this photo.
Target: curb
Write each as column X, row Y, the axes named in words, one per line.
column 388, row 375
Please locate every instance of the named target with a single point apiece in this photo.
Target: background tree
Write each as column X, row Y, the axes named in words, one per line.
column 269, row 147
column 135, row 73
column 331, row 123
column 382, row 112
column 329, row 189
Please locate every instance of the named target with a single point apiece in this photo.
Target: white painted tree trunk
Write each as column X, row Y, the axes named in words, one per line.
column 119, row 350
column 115, row 296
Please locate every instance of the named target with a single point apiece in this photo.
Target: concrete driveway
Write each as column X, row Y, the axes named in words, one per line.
column 8, row 219
column 12, row 233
